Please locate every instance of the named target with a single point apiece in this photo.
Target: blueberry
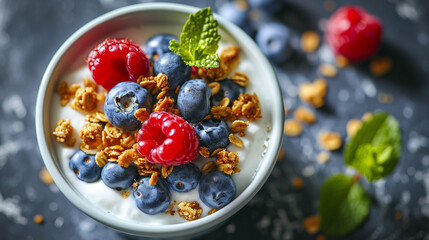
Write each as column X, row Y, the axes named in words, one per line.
column 193, row 100
column 233, row 13
column 152, row 199
column 213, row 134
column 269, row 6
column 158, row 45
column 172, row 65
column 117, row 177
column 85, row 167
column 121, row 103
column 217, row 189
column 184, row 177
column 274, row 41
column 228, row 89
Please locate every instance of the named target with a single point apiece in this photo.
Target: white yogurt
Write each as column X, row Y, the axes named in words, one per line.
column 111, row 200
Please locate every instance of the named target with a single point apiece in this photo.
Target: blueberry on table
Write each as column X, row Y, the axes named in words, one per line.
column 121, row 103
column 213, row 134
column 274, row 41
column 184, row 177
column 237, row 15
column 117, row 177
column 152, row 199
column 158, row 45
column 193, row 100
column 85, row 167
column 228, row 89
column 172, row 65
column 216, row 189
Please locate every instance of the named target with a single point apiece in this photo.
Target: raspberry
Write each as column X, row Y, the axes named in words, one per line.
column 354, row 33
column 167, row 139
column 115, row 61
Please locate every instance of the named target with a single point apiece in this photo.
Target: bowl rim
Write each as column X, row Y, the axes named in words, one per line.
column 180, row 229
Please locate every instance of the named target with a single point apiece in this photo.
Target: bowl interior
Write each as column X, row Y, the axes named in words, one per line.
column 138, row 23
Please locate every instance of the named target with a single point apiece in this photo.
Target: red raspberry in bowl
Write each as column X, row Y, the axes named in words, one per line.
column 353, row 33
column 115, row 61
column 167, row 139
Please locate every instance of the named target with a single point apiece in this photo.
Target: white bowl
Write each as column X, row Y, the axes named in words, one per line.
column 172, row 16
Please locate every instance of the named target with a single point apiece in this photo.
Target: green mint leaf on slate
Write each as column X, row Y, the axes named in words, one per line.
column 199, row 40
column 375, row 149
column 343, row 206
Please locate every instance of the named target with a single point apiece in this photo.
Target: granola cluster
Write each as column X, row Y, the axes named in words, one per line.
column 63, row 133
column 227, row 162
column 189, row 210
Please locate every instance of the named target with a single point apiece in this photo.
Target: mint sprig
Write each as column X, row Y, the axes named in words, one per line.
column 343, row 205
column 199, row 40
column 375, row 149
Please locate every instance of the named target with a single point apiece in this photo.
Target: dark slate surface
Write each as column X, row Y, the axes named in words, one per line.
column 31, row 32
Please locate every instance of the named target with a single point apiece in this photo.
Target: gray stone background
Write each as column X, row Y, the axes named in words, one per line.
column 31, row 32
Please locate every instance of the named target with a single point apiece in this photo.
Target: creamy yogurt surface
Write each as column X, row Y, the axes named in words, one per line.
column 112, row 200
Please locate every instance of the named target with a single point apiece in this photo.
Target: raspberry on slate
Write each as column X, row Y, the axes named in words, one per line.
column 167, row 139
column 115, row 61
column 354, row 33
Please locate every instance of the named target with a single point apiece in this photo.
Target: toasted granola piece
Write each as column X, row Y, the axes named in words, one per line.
column 240, row 79
column 165, row 104
column 229, row 59
column 292, row 128
column 89, row 83
column 247, row 105
column 170, row 208
column 163, row 85
column 45, row 176
column 216, row 151
column 209, row 167
column 311, row 224
column 153, row 178
column 239, row 126
column 297, row 183
column 38, row 219
column 113, row 152
column 97, row 117
column 215, row 87
column 141, row 114
column 144, row 167
column 127, row 157
column 125, row 194
column 189, row 210
column 310, row 41
column 313, row 93
column 224, row 102
column 101, row 158
column 66, row 92
column 341, row 61
column 328, row 70
column 150, row 83
column 366, row 116
column 85, row 99
column 63, row 132
column 305, row 115
column 128, row 140
column 353, row 126
column 204, row 151
column 111, row 135
column 330, row 140
column 165, row 171
column 380, row 66
column 213, row 210
column 235, row 140
column 323, row 157
column 220, row 112
column 228, row 161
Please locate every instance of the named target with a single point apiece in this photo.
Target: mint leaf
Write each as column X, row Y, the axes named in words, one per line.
column 375, row 149
column 199, row 40
column 343, row 205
